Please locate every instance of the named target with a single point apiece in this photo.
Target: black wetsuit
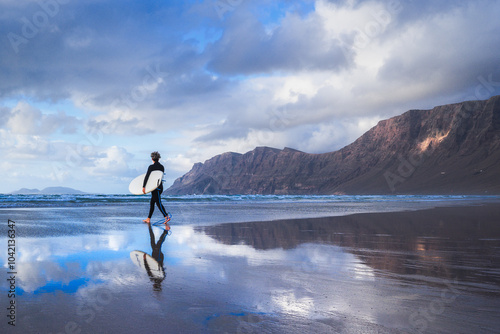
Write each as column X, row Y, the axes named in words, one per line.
column 155, row 194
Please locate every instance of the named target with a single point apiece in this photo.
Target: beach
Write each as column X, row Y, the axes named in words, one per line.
column 370, row 265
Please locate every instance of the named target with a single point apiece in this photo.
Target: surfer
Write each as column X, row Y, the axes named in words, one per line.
column 155, row 194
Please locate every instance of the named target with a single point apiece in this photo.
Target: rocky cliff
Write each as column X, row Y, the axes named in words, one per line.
column 451, row 149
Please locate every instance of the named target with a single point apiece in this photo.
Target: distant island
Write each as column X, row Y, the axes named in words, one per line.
column 47, row 191
column 451, row 149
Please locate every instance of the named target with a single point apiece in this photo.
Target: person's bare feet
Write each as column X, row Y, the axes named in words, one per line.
column 147, row 220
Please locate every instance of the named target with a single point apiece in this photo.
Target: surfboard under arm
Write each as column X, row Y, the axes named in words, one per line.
column 154, row 181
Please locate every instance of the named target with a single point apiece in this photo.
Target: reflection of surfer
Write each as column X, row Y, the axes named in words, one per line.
column 158, row 256
column 155, row 194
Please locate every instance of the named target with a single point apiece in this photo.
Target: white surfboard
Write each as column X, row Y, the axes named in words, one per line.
column 148, row 263
column 154, row 181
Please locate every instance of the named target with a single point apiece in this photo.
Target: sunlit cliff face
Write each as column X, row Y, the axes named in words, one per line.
column 432, row 141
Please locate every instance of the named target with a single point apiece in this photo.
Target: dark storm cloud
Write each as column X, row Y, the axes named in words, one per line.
column 89, row 47
column 249, row 47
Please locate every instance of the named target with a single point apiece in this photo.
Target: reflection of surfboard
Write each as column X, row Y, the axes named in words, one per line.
column 154, row 181
column 148, row 263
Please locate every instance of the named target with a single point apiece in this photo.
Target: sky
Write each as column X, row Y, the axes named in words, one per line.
column 88, row 89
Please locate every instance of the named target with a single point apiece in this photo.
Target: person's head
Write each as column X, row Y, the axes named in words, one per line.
column 155, row 156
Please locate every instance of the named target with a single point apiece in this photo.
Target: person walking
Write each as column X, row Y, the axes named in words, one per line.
column 155, row 194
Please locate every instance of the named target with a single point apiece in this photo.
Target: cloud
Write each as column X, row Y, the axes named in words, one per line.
column 397, row 64
column 26, row 131
column 297, row 44
column 450, row 49
column 122, row 123
column 112, row 161
column 26, row 119
column 312, row 75
column 23, row 146
column 93, row 47
column 4, row 116
column 180, row 163
column 55, row 147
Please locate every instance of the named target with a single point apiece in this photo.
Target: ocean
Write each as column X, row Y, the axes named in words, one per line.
column 212, row 208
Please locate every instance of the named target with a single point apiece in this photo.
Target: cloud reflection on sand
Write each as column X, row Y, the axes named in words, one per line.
column 42, row 261
column 99, row 259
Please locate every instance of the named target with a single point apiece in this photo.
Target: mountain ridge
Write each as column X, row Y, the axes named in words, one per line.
column 450, row 149
column 47, row 191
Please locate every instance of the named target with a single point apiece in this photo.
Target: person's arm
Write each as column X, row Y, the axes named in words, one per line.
column 146, row 178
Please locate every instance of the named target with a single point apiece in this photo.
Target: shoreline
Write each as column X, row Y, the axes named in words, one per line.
column 426, row 222
column 491, row 207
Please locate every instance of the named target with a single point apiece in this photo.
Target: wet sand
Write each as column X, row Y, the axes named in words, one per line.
column 426, row 271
